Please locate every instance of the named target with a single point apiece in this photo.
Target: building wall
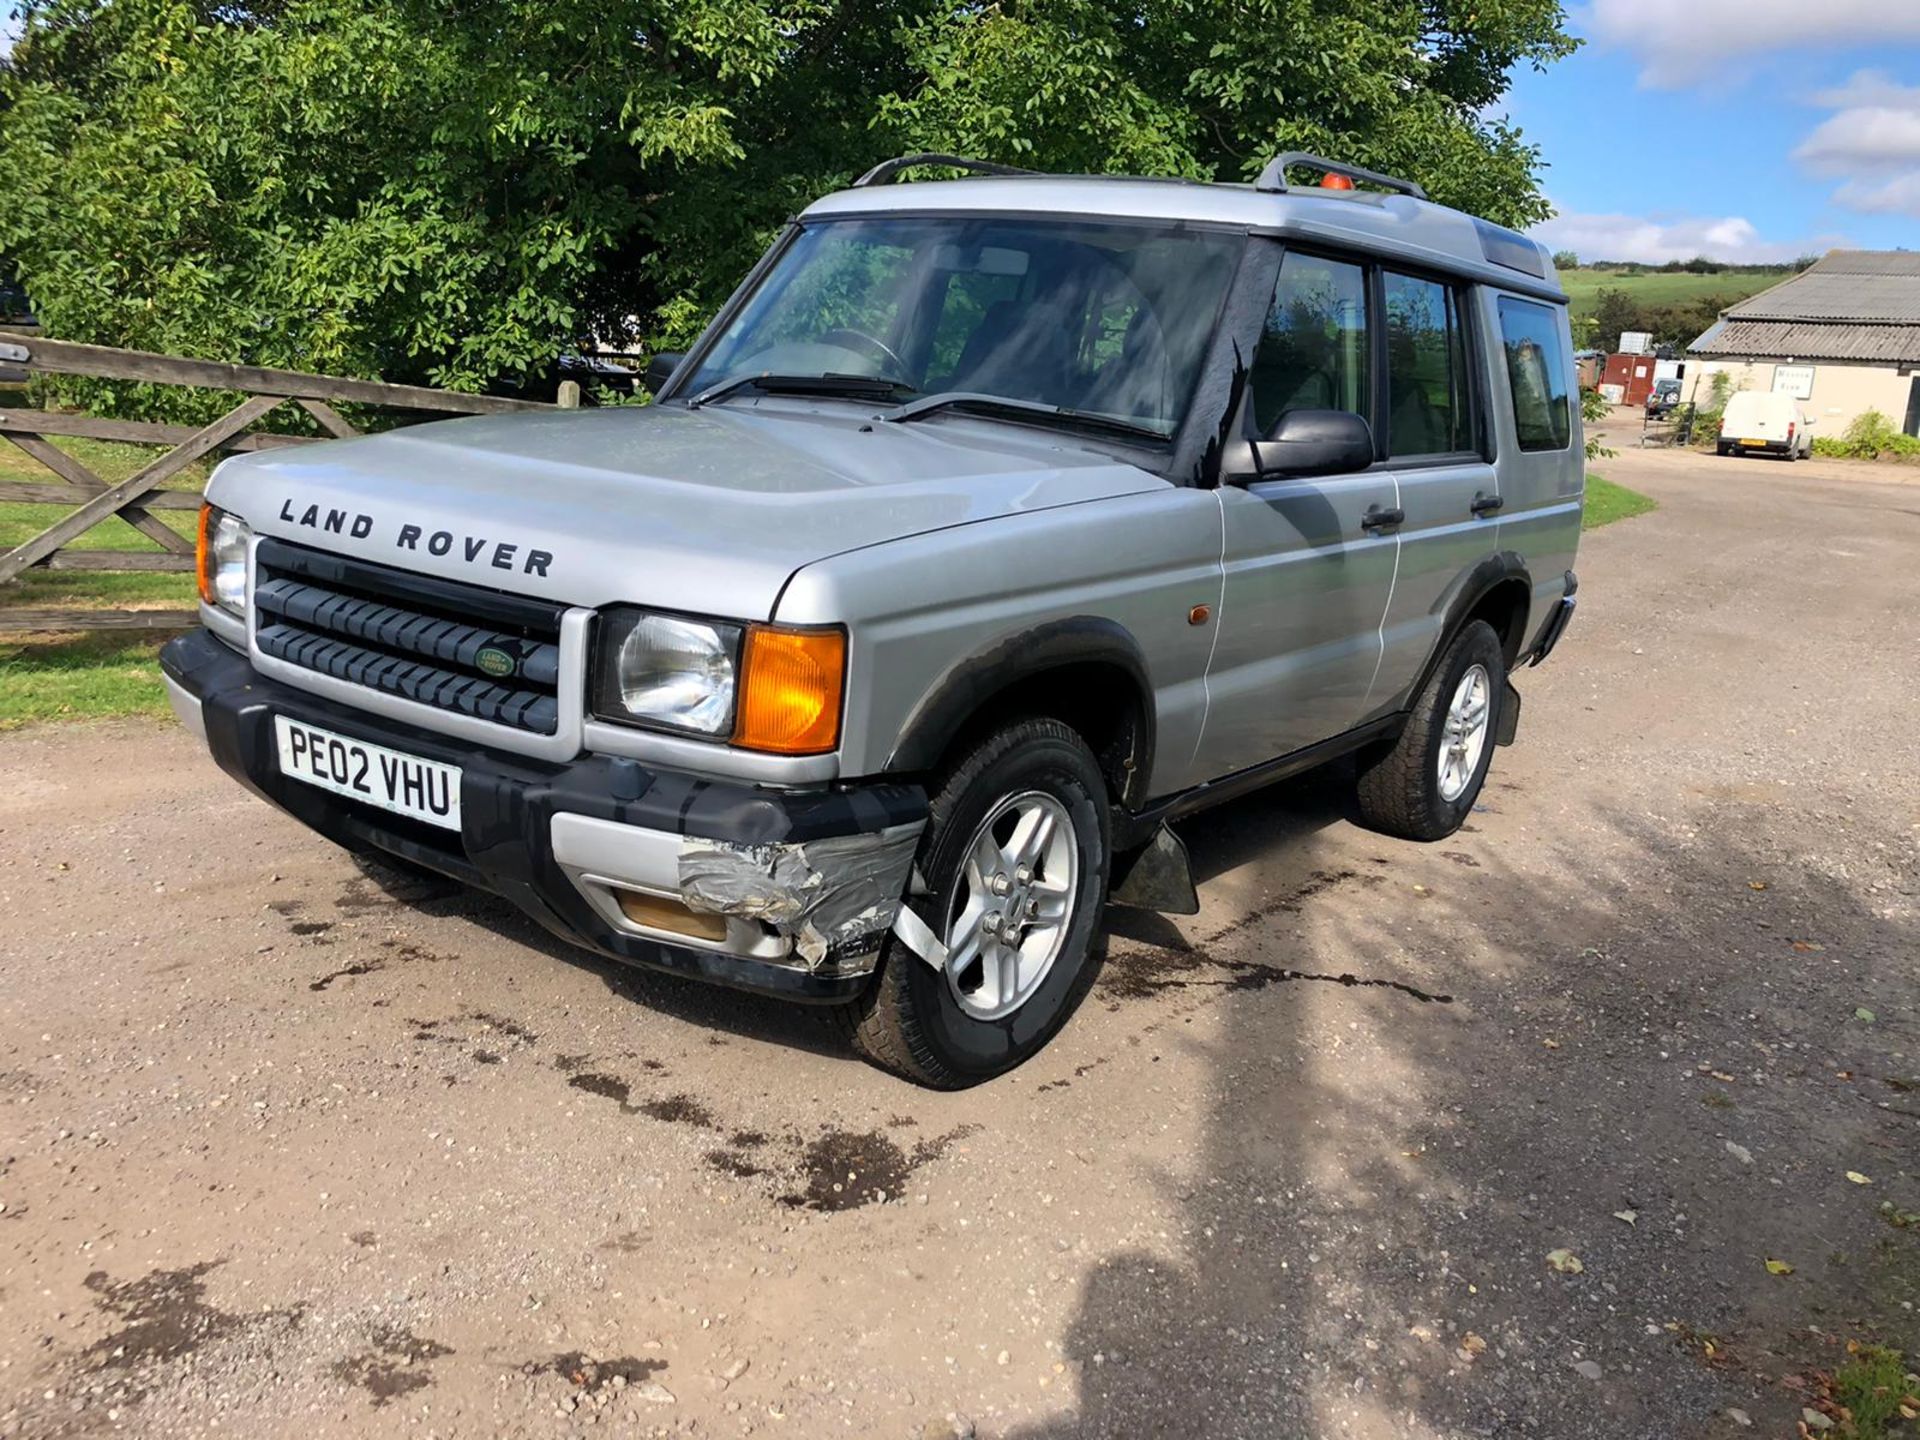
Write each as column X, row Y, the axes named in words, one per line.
column 1840, row 392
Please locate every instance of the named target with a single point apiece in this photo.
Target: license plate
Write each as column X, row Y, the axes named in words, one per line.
column 404, row 784
column 1756, row 444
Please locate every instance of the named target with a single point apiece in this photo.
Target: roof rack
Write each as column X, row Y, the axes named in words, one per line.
column 1273, row 179
column 886, row 170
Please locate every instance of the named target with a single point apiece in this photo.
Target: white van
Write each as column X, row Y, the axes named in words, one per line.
column 1757, row 423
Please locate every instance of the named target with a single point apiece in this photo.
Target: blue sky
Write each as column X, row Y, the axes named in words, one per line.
column 1740, row 129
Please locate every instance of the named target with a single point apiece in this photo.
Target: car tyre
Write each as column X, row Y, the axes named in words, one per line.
column 993, row 1005
column 1423, row 784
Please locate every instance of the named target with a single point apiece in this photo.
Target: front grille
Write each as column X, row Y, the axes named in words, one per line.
column 411, row 636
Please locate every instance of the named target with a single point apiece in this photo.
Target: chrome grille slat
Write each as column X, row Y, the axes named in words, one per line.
column 411, row 680
column 334, row 619
column 393, row 628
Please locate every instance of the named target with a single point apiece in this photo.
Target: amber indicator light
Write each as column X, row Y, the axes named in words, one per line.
column 791, row 684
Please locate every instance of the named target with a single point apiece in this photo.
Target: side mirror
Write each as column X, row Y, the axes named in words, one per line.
column 1314, row 442
column 660, row 369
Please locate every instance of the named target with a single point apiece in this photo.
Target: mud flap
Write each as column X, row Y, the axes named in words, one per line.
column 1509, row 716
column 1158, row 876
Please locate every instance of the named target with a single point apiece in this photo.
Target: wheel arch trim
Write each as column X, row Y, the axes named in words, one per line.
column 971, row 684
column 1503, row 567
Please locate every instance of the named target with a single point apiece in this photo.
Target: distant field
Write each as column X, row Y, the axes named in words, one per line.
column 1583, row 287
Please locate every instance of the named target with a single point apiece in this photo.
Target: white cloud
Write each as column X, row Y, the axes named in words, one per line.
column 1680, row 45
column 1898, row 196
column 1866, row 137
column 1653, row 240
column 1871, row 142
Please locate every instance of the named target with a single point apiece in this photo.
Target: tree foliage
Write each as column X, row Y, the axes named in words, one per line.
column 456, row 190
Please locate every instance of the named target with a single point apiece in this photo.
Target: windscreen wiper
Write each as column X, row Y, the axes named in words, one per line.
column 854, row 387
column 1027, row 410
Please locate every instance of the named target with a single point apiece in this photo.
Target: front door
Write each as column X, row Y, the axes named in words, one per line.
column 1308, row 566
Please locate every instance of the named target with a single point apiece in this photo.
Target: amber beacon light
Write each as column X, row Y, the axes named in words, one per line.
column 790, row 690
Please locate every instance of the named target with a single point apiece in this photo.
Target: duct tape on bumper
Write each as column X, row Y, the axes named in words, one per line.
column 836, row 897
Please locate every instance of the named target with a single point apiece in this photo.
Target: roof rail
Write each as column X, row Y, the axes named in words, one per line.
column 1273, row 179
column 884, row 172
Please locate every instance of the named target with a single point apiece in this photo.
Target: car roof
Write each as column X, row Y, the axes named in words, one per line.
column 1398, row 226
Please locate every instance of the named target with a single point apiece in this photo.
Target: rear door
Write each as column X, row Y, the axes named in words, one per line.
column 1435, row 436
column 1307, row 571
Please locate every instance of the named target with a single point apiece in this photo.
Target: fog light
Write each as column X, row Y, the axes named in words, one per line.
column 657, row 912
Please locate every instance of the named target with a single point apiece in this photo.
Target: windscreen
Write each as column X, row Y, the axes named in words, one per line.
column 1104, row 318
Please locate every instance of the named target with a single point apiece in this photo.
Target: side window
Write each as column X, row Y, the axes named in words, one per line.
column 1537, row 374
column 1314, row 347
column 1429, row 410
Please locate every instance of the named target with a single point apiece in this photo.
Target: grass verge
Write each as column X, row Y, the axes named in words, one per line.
column 75, row 677
column 87, row 674
column 1608, row 502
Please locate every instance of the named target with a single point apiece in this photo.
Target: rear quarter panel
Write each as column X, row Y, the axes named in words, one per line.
column 918, row 609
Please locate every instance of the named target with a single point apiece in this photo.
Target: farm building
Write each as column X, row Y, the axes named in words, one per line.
column 1842, row 337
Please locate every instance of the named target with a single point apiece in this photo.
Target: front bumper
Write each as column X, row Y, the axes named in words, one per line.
column 807, row 882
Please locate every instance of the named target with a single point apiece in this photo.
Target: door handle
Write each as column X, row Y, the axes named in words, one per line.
column 1487, row 504
column 1378, row 517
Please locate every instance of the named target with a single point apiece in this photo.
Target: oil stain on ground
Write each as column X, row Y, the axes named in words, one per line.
column 845, row 1169
column 362, row 967
column 393, row 1365
column 591, row 1375
column 1136, row 974
column 673, row 1109
column 738, row 1156
column 165, row 1318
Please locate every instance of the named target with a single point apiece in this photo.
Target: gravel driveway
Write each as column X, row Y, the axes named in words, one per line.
column 283, row 1156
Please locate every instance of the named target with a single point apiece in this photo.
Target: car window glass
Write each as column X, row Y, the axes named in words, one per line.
column 1313, row 348
column 1104, row 317
column 1427, row 405
column 1536, row 375
column 969, row 297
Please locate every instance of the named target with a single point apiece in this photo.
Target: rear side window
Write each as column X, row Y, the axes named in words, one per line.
column 1313, row 352
column 1537, row 375
column 1429, row 412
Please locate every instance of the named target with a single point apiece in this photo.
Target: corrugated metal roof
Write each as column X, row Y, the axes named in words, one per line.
column 1876, row 286
column 1869, row 262
column 1884, row 344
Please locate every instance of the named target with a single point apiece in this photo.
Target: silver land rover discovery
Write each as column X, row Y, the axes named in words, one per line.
column 993, row 524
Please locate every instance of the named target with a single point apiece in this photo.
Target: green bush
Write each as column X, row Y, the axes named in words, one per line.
column 1708, row 412
column 1871, row 436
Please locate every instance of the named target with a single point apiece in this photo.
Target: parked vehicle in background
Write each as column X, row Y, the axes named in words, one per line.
column 992, row 525
column 1758, row 422
column 598, row 377
column 1664, row 399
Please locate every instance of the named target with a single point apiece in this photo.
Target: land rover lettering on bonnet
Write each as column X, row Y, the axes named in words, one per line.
column 996, row 525
column 500, row 554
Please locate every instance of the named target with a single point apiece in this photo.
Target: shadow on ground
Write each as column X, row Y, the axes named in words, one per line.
column 1364, row 1236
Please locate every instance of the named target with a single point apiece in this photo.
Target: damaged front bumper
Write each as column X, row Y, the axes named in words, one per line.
column 787, row 893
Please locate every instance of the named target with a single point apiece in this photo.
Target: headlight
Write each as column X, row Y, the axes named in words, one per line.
column 780, row 691
column 666, row 670
column 221, row 558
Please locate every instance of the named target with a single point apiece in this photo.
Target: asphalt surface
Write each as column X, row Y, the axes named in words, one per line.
column 281, row 1154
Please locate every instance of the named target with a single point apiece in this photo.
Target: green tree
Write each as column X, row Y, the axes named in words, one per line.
column 1615, row 312
column 456, row 190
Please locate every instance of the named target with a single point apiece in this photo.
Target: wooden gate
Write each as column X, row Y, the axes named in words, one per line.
column 136, row 498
